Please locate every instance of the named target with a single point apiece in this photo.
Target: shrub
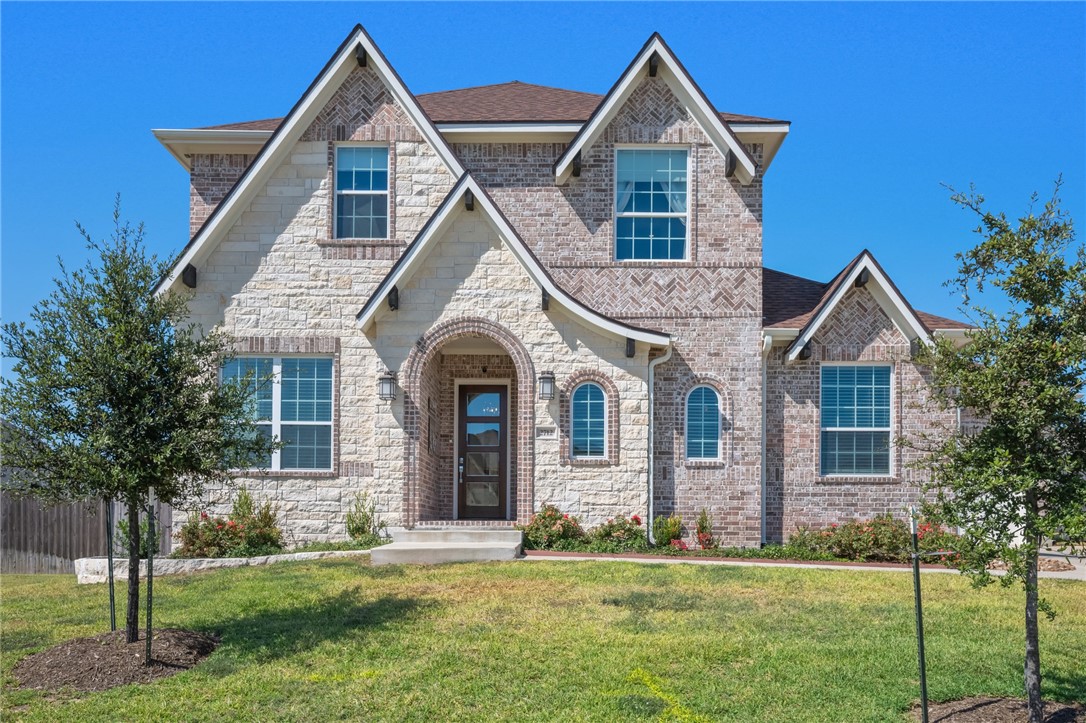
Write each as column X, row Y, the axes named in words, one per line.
column 551, row 529
column 621, row 534
column 881, row 539
column 120, row 538
column 246, row 532
column 363, row 526
column 666, row 529
column 704, row 526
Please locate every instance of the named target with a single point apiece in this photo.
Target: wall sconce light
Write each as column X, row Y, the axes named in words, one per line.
column 386, row 386
column 546, row 385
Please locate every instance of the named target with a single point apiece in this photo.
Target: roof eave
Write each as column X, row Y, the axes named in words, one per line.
column 416, row 252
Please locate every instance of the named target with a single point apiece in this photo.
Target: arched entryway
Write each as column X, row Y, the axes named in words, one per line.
column 450, row 360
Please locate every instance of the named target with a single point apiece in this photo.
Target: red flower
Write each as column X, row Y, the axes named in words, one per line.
column 232, row 523
column 203, row 515
column 636, row 520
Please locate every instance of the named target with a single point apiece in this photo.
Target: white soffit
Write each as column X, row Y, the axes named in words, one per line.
column 182, row 143
column 439, row 223
column 671, row 70
column 278, row 148
column 884, row 292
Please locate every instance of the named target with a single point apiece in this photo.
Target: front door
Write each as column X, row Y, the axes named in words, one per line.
column 481, row 464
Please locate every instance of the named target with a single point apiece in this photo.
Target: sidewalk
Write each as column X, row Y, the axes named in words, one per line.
column 1079, row 573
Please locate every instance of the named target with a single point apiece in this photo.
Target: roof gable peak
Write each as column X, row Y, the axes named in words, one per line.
column 656, row 59
column 862, row 272
column 481, row 201
column 357, row 49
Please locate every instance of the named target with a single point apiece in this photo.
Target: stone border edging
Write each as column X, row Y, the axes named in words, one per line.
column 90, row 570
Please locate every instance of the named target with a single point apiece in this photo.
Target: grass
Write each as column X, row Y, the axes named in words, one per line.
column 554, row 640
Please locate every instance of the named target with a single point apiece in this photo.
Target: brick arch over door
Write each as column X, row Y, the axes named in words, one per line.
column 425, row 349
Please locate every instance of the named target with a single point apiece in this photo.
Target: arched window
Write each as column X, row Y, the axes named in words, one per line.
column 588, row 416
column 703, row 423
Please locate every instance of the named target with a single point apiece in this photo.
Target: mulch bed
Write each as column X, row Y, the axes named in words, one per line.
column 106, row 661
column 1045, row 564
column 999, row 710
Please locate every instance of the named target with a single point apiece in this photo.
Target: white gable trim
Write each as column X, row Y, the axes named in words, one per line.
column 452, row 206
column 880, row 287
column 278, row 147
column 671, row 70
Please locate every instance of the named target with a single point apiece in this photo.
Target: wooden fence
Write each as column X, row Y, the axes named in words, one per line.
column 47, row 539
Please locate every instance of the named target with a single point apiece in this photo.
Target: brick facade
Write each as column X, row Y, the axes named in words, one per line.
column 796, row 492
column 280, row 280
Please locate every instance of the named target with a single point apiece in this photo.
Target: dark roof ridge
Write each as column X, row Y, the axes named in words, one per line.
column 509, row 82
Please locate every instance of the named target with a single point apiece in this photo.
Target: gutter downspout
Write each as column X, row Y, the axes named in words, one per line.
column 652, row 435
column 767, row 346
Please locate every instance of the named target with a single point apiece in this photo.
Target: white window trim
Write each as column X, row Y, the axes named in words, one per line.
column 719, row 429
column 336, row 192
column 606, row 426
column 893, row 422
column 276, row 421
column 614, row 201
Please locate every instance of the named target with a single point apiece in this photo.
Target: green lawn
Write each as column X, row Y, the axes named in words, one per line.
column 553, row 641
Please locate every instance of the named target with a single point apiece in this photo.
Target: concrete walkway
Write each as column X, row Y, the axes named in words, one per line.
column 1079, row 573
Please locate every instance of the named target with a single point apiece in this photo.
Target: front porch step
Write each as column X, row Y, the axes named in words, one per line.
column 435, row 546
column 444, row 535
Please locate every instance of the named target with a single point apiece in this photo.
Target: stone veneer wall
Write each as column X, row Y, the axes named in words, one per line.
column 796, row 493
column 277, row 274
column 711, row 303
column 471, row 271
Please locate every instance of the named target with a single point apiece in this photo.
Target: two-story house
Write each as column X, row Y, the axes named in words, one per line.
column 476, row 302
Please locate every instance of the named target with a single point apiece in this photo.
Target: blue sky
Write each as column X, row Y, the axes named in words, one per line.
column 888, row 101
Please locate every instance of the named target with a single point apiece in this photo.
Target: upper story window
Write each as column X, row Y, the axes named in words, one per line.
column 703, row 424
column 856, row 420
column 292, row 400
column 361, row 192
column 588, row 421
column 650, row 204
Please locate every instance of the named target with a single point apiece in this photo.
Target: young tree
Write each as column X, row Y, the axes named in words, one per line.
column 1016, row 480
column 114, row 393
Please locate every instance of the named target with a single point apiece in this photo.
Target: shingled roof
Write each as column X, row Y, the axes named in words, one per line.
column 789, row 302
column 513, row 102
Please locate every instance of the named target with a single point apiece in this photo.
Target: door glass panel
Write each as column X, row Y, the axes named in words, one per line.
column 482, row 464
column 482, row 494
column 483, row 434
column 486, row 404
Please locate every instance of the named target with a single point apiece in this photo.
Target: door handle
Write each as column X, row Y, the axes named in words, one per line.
column 461, row 476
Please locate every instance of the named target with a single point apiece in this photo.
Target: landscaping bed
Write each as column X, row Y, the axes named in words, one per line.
column 105, row 661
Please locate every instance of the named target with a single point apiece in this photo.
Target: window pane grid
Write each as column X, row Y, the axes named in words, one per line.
column 588, row 410
column 703, row 424
column 361, row 192
column 650, row 204
column 855, row 413
column 295, row 401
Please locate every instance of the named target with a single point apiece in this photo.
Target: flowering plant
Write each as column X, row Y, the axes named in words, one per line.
column 625, row 534
column 880, row 539
column 245, row 532
column 550, row 526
